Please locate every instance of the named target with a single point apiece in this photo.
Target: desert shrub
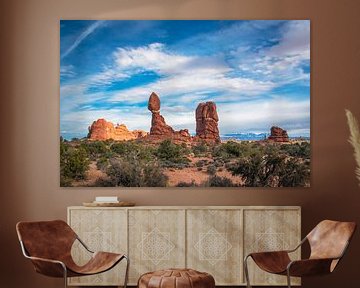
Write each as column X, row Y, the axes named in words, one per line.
column 201, row 163
column 130, row 171
column 232, row 149
column 211, row 169
column 301, row 150
column 200, row 149
column 187, row 184
column 101, row 182
column 218, row 162
column 171, row 154
column 271, row 170
column 216, row 181
column 295, row 173
column 95, row 149
column 73, row 163
column 124, row 148
column 102, row 163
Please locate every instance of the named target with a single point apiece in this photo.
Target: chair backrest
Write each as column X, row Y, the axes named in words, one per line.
column 46, row 239
column 329, row 239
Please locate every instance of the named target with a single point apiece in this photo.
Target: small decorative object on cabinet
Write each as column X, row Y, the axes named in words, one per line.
column 211, row 239
column 328, row 242
column 48, row 245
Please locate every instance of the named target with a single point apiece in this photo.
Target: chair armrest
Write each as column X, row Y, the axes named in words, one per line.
column 309, row 267
column 48, row 267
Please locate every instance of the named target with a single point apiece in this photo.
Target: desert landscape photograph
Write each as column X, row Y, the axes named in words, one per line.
column 182, row 103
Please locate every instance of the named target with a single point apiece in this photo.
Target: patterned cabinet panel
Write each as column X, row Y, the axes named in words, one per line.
column 101, row 230
column 269, row 230
column 156, row 240
column 214, row 244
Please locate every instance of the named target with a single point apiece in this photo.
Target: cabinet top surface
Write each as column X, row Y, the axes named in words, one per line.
column 192, row 207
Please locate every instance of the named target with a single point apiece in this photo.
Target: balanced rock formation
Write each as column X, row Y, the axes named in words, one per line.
column 159, row 129
column 278, row 134
column 103, row 130
column 207, row 123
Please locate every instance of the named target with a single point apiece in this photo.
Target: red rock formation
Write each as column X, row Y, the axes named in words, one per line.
column 207, row 123
column 154, row 102
column 159, row 129
column 278, row 134
column 103, row 130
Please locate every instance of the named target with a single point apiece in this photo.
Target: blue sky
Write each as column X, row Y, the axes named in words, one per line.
column 257, row 72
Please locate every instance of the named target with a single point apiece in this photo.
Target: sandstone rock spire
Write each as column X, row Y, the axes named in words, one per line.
column 207, row 122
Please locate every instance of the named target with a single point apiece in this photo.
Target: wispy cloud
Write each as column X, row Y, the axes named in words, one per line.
column 67, row 71
column 88, row 31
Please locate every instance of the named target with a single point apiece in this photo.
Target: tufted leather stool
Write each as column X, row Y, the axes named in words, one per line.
column 176, row 278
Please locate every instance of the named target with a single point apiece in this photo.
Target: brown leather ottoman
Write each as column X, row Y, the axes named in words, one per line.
column 176, row 278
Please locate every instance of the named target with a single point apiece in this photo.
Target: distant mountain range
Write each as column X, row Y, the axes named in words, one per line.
column 231, row 136
column 252, row 136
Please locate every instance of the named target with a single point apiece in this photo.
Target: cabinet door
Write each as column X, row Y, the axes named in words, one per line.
column 156, row 240
column 214, row 244
column 101, row 230
column 271, row 230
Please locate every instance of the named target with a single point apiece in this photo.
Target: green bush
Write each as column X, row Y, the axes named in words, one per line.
column 132, row 172
column 95, row 149
column 143, row 152
column 171, row 153
column 211, row 169
column 272, row 170
column 232, row 149
column 301, row 150
column 200, row 149
column 216, row 181
column 186, row 184
column 73, row 163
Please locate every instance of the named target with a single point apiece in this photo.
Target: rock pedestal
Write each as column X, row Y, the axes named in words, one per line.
column 207, row 123
column 278, row 134
column 159, row 129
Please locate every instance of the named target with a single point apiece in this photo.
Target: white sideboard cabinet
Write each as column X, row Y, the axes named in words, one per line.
column 211, row 239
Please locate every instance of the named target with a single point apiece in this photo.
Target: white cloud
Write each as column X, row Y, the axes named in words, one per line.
column 67, row 71
column 281, row 62
column 181, row 74
column 261, row 115
column 82, row 37
column 295, row 41
column 106, row 77
column 151, row 57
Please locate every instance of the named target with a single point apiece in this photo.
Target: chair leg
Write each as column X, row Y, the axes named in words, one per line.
column 246, row 270
column 65, row 276
column 288, row 278
column 127, row 271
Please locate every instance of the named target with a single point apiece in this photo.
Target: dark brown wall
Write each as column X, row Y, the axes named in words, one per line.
column 29, row 115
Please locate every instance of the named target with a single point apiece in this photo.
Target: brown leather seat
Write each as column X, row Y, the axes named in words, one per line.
column 176, row 278
column 328, row 242
column 48, row 245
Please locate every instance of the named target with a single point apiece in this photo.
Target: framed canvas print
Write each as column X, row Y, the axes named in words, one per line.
column 178, row 103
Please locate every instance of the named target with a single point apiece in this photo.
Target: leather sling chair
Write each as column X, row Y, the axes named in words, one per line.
column 48, row 245
column 328, row 242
